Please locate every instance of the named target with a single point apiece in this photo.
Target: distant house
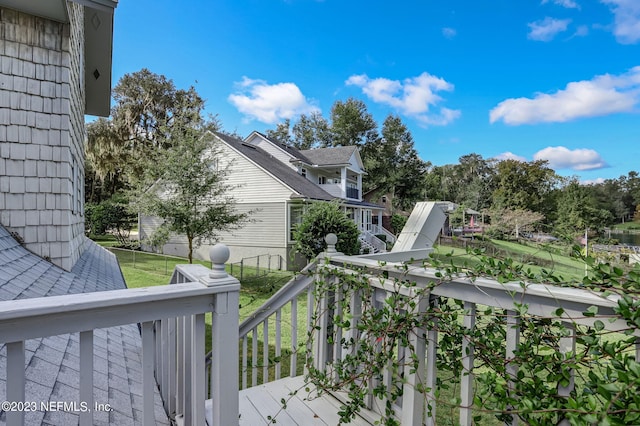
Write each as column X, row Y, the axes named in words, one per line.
column 276, row 182
column 471, row 219
column 55, row 67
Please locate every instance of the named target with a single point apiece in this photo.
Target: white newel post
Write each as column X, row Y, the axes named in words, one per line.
column 321, row 347
column 224, row 343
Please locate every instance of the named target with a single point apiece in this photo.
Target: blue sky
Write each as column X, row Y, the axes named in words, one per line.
column 528, row 79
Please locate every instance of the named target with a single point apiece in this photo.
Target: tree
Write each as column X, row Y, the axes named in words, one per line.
column 311, row 132
column 393, row 165
column 110, row 216
column 282, row 132
column 513, row 222
column 190, row 195
column 578, row 210
column 321, row 219
column 523, row 185
column 147, row 106
column 352, row 124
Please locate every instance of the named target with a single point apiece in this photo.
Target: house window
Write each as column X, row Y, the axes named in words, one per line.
column 322, row 180
column 296, row 211
column 384, row 198
column 303, row 172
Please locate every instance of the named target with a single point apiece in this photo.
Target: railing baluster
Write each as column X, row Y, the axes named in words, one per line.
column 148, row 412
column 412, row 397
column 244, row 362
column 278, row 342
column 160, row 367
column 86, row 376
column 513, row 340
column 265, row 351
column 294, row 338
column 322, row 353
column 254, row 357
column 15, row 381
column 337, row 346
column 188, row 368
column 310, row 310
column 567, row 345
column 180, row 366
column 172, row 372
column 431, row 369
column 197, row 369
column 466, row 381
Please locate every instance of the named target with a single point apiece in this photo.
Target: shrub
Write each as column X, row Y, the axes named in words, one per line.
column 320, row 220
column 110, row 216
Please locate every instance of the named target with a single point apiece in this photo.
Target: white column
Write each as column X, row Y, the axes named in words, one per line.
column 224, row 341
column 343, row 182
column 359, row 186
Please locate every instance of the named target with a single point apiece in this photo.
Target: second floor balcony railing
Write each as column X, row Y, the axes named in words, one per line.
column 353, row 193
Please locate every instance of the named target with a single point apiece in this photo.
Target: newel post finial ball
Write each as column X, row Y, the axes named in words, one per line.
column 219, row 254
column 331, row 240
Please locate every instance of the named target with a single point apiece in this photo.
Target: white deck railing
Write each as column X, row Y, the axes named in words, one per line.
column 257, row 327
column 172, row 321
column 412, row 408
column 416, row 406
column 373, row 241
column 380, row 230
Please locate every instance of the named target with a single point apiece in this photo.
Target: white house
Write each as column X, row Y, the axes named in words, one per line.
column 275, row 182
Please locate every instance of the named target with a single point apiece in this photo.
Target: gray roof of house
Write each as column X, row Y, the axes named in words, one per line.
column 52, row 363
column 329, row 156
column 295, row 152
column 283, row 172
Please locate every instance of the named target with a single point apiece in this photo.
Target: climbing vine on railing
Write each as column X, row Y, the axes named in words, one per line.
column 366, row 325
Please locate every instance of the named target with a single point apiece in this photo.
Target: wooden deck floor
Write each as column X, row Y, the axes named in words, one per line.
column 302, row 408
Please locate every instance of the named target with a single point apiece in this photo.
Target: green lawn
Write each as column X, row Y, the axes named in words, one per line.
column 628, row 226
column 535, row 256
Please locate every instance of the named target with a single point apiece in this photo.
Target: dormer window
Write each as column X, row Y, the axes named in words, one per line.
column 303, row 172
column 322, row 180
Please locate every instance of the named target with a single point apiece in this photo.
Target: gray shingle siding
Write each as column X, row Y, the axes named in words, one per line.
column 42, row 132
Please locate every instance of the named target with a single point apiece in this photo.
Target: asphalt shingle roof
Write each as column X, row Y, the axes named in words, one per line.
column 329, row 156
column 281, row 171
column 52, row 363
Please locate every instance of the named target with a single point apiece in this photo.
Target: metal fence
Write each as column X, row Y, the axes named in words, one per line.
column 256, row 266
column 151, row 262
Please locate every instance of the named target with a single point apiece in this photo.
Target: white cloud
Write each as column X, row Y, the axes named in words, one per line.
column 560, row 157
column 595, row 181
column 449, row 32
column 269, row 103
column 569, row 4
column 510, row 156
column 415, row 97
column 602, row 95
column 581, row 31
column 547, row 29
column 627, row 20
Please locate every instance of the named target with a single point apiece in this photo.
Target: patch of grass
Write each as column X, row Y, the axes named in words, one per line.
column 627, row 226
column 533, row 257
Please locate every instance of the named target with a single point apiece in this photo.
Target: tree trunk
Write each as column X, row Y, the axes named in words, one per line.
column 190, row 238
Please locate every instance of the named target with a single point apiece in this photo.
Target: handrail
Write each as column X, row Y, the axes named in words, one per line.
column 50, row 316
column 172, row 324
column 289, row 291
column 378, row 229
column 372, row 240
